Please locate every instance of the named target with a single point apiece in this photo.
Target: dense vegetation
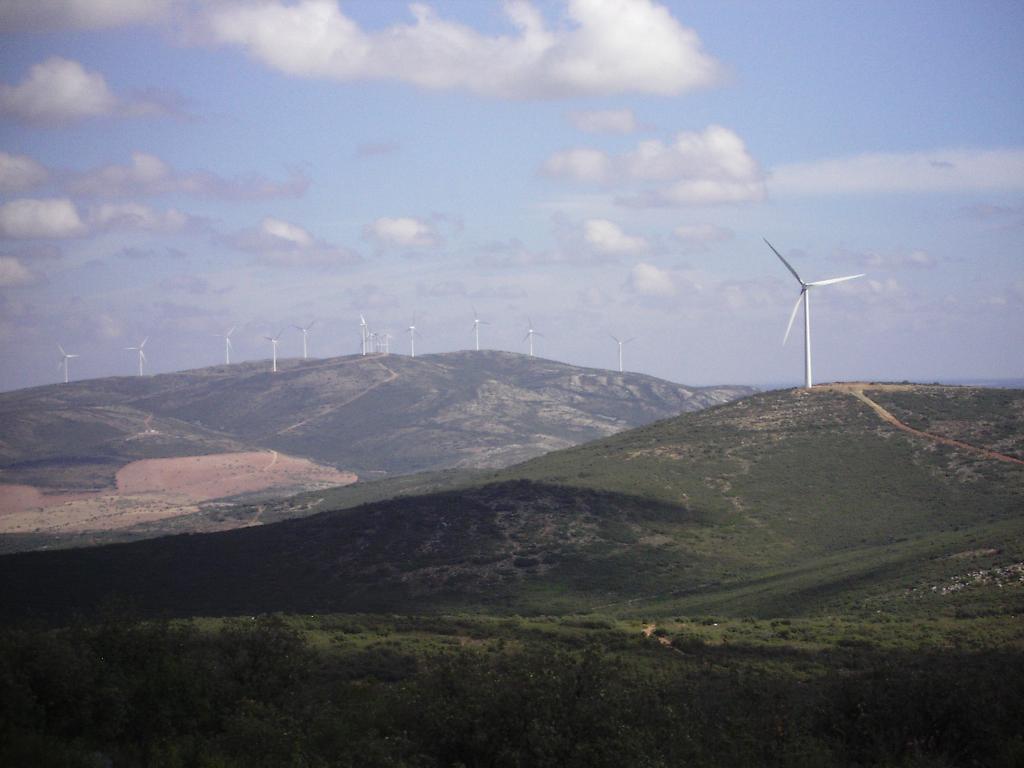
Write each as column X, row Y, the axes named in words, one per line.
column 511, row 693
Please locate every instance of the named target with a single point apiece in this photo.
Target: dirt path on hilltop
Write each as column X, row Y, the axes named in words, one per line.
column 858, row 392
column 335, row 406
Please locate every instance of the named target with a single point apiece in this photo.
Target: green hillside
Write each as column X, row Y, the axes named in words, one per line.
column 781, row 504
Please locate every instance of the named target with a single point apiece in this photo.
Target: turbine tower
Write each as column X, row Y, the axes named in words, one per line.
column 64, row 361
column 805, row 296
column 305, row 338
column 477, row 322
column 413, row 333
column 530, row 333
column 363, row 330
column 142, row 355
column 621, row 345
column 227, row 345
column 273, row 343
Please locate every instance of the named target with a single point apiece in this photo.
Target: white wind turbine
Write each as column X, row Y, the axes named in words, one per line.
column 621, row 345
column 305, row 338
column 64, row 361
column 530, row 333
column 413, row 333
column 363, row 330
column 477, row 322
column 227, row 345
column 142, row 355
column 273, row 343
column 805, row 296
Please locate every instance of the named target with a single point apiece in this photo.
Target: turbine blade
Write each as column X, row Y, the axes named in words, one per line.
column 788, row 266
column 72, row 355
column 616, row 338
column 631, row 338
column 792, row 317
column 228, row 334
column 142, row 354
column 836, row 280
column 62, row 350
column 60, row 365
column 526, row 337
column 143, row 342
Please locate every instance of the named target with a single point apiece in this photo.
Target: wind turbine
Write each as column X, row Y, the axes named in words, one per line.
column 305, row 337
column 362, row 329
column 477, row 322
column 805, row 296
column 142, row 355
column 273, row 343
column 64, row 362
column 413, row 333
column 227, row 345
column 621, row 344
column 530, row 333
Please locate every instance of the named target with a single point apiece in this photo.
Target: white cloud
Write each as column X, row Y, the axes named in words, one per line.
column 44, row 15
column 14, row 273
column 19, row 172
column 147, row 174
column 403, row 232
column 696, row 168
column 280, row 243
column 605, row 121
column 30, row 218
column 650, row 280
column 585, row 165
column 954, row 170
column 702, row 233
column 290, row 233
column 59, row 91
column 138, row 217
column 604, row 47
column 608, row 237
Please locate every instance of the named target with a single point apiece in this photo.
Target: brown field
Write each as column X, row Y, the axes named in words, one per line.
column 155, row 489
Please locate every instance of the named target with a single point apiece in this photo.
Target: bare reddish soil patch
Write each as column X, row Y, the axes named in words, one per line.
column 153, row 489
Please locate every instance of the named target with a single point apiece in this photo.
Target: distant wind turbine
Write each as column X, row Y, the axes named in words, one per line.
column 363, row 330
column 142, row 355
column 64, row 361
column 305, row 338
column 530, row 333
column 805, row 296
column 413, row 333
column 227, row 345
column 621, row 345
column 477, row 322
column 273, row 343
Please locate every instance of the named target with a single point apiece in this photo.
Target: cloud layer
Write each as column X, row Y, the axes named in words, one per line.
column 60, row 90
column 955, row 170
column 706, row 167
column 606, row 47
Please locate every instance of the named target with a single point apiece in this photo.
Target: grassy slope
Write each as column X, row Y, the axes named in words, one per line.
column 785, row 503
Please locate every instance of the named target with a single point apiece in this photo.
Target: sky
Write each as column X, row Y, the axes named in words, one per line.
column 173, row 170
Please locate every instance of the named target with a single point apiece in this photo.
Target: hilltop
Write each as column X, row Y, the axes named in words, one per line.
column 128, row 457
column 374, row 414
column 782, row 503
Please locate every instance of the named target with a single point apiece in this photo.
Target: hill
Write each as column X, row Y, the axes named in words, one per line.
column 106, row 459
column 783, row 503
column 371, row 415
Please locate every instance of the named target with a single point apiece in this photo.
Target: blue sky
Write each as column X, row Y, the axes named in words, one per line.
column 173, row 169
